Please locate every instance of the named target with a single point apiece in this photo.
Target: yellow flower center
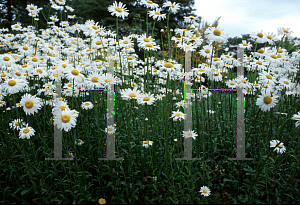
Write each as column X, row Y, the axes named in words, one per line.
column 146, row 142
column 98, row 42
column 217, row 32
column 75, row 72
column 245, row 44
column 17, row 123
column 118, row 9
column 267, row 100
column 190, row 134
column 231, row 83
column 279, row 145
column 146, row 40
column 26, row 130
column 87, row 103
column 31, row 8
column 65, row 118
column 29, row 104
column 25, row 48
column 259, row 62
column 94, row 27
column 39, row 70
column 95, row 79
column 269, row 37
column 204, row 191
column 260, row 35
column 172, row 6
column 256, row 85
column 260, row 51
column 63, row 107
column 149, row 45
column 285, row 31
column 268, row 76
column 125, row 42
column 146, row 99
column 157, row 13
column 286, row 82
column 273, row 56
column 34, row 59
column 6, row 58
column 11, row 82
column 129, row 58
column 18, row 73
column 150, row 2
column 168, row 65
column 177, row 114
column 132, row 95
column 279, row 50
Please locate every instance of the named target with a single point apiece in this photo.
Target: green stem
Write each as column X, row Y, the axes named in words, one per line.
column 153, row 29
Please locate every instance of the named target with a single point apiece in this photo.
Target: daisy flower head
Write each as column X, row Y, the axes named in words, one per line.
column 206, row 51
column 156, row 15
column 65, row 120
column 258, row 36
column 246, row 44
column 87, row 105
column 13, row 85
column 205, row 191
column 118, row 9
column 16, row 124
column 296, row 117
column 130, row 94
column 79, row 142
column 216, row 34
column 31, row 104
column 285, row 31
column 16, row 27
column 186, row 47
column 231, row 84
column 110, row 129
column 178, row 115
column 71, row 156
column 26, row 132
column 189, row 134
column 149, row 4
column 173, row 7
column 147, row 143
column 266, row 102
column 280, row 148
column 148, row 99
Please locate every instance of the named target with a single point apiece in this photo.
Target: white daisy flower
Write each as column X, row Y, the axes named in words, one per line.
column 205, row 191
column 130, row 94
column 13, row 85
column 280, row 148
column 16, row 124
column 87, row 105
column 178, row 115
column 71, row 155
column 110, row 129
column 148, row 99
column 190, row 133
column 66, row 119
column 31, row 104
column 118, row 9
column 173, row 7
column 216, row 34
column 156, row 15
column 266, row 102
column 296, row 117
column 149, row 4
column 26, row 132
column 79, row 142
column 147, row 143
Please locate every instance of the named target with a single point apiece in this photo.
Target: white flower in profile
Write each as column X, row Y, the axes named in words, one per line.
column 178, row 115
column 296, row 117
column 280, row 148
column 190, row 133
column 79, row 142
column 147, row 143
column 205, row 191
